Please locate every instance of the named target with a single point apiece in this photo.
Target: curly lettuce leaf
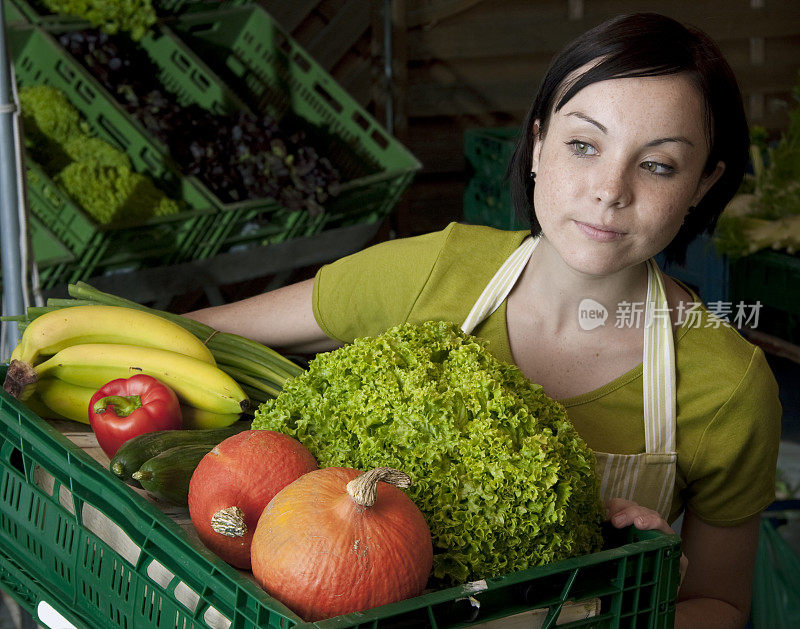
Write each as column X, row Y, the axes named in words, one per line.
column 502, row 477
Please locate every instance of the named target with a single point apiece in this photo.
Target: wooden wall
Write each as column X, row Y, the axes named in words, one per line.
column 461, row 64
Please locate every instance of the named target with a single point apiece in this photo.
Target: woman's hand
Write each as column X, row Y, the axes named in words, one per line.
column 622, row 513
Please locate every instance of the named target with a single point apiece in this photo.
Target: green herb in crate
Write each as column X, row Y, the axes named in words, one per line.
column 95, row 174
column 133, row 16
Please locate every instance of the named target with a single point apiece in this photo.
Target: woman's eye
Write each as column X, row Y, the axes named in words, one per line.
column 582, row 148
column 657, row 168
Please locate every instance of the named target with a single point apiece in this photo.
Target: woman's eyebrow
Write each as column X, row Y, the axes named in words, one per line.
column 677, row 138
column 586, row 118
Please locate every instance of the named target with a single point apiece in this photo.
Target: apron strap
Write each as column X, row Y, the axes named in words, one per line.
column 500, row 285
column 658, row 367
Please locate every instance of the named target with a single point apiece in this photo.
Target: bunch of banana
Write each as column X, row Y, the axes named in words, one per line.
column 65, row 355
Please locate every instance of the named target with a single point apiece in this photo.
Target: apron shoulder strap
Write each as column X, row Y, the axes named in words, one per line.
column 658, row 367
column 500, row 285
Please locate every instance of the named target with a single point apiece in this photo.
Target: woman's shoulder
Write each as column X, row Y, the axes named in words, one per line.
column 715, row 360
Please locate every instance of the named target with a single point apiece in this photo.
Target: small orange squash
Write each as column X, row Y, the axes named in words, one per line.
column 234, row 482
column 337, row 541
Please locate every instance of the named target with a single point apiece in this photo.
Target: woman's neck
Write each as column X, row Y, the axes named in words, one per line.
column 557, row 291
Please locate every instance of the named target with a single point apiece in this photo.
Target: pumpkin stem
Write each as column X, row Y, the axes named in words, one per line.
column 364, row 489
column 229, row 522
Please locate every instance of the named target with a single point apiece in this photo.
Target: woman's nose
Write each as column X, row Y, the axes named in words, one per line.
column 612, row 188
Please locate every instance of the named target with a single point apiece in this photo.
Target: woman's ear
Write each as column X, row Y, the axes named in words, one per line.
column 537, row 146
column 707, row 181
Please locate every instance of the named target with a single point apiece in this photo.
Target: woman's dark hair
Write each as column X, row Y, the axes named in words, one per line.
column 641, row 45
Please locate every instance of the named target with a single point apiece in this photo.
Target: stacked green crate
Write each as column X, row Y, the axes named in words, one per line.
column 768, row 281
column 274, row 75
column 12, row 13
column 98, row 248
column 487, row 196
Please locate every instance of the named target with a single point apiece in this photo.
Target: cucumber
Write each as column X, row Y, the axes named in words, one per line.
column 134, row 452
column 167, row 475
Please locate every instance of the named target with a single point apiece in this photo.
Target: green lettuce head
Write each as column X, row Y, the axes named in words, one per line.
column 502, row 477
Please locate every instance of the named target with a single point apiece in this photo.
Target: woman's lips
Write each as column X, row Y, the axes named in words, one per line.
column 599, row 234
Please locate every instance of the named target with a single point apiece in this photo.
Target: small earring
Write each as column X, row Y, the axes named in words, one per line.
column 530, row 183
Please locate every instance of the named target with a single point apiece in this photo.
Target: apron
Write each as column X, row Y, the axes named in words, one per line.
column 647, row 478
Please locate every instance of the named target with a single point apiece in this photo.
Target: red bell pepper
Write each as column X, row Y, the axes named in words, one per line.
column 127, row 407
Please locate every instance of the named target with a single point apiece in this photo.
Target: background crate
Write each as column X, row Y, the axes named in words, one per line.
column 488, row 151
column 273, row 74
column 98, row 248
column 487, row 195
column 53, row 260
column 488, row 202
column 102, row 248
column 181, row 72
column 771, row 278
column 76, row 537
column 705, row 270
column 177, row 7
column 12, row 13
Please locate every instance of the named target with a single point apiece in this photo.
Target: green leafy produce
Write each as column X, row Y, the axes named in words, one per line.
column 114, row 194
column 134, row 16
column 47, row 115
column 504, row 480
column 766, row 213
column 95, row 174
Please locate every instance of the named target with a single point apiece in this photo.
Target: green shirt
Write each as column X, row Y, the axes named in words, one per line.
column 728, row 412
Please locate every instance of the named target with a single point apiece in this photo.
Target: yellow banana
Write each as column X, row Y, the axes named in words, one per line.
column 67, row 400
column 198, row 419
column 35, row 404
column 49, row 333
column 196, row 383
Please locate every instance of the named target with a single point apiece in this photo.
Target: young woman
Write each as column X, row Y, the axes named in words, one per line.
column 634, row 144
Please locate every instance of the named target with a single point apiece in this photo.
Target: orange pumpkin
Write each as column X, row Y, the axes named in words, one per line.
column 234, row 482
column 337, row 541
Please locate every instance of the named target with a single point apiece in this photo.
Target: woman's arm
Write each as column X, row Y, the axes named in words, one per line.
column 715, row 586
column 281, row 319
column 716, row 590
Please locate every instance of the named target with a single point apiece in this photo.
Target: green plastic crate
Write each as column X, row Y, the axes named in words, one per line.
column 488, row 151
column 177, row 7
column 272, row 74
column 54, row 261
column 38, row 59
column 63, row 515
column 487, row 195
column 488, row 202
column 101, row 249
column 12, row 13
column 256, row 221
column 771, row 278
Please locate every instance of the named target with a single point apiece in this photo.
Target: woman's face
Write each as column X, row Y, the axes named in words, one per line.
column 618, row 168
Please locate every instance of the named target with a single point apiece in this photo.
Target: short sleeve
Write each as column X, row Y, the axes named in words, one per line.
column 366, row 293
column 732, row 476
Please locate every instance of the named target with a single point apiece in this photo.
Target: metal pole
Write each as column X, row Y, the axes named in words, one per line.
column 388, row 56
column 10, row 252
